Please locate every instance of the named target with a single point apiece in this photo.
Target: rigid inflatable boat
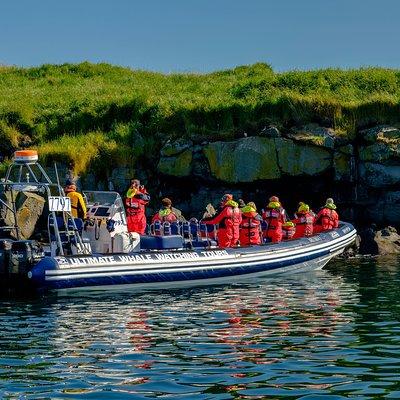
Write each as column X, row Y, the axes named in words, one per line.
column 66, row 252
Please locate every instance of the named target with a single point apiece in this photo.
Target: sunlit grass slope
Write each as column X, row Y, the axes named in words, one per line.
column 79, row 112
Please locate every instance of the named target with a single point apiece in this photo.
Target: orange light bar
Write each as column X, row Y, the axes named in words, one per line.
column 25, row 156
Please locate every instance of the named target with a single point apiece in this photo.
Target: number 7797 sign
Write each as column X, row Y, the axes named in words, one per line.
column 59, row 203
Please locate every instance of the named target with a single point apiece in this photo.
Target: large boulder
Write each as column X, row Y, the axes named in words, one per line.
column 295, row 159
column 29, row 208
column 378, row 175
column 382, row 133
column 120, row 178
column 176, row 165
column 314, row 134
column 344, row 163
column 380, row 152
column 173, row 148
column 270, row 131
column 244, row 160
column 388, row 241
column 386, row 208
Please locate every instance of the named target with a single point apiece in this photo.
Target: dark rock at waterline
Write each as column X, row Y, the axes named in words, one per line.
column 383, row 242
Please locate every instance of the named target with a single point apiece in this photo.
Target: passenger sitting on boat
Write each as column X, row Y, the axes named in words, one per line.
column 288, row 230
column 250, row 225
column 275, row 216
column 166, row 213
column 327, row 218
column 304, row 221
column 135, row 202
column 78, row 206
column 229, row 218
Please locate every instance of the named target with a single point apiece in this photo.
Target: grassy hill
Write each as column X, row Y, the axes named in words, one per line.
column 85, row 112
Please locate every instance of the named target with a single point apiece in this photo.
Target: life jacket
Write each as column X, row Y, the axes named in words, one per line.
column 327, row 219
column 304, row 224
column 274, row 217
column 250, row 228
column 288, row 230
column 165, row 215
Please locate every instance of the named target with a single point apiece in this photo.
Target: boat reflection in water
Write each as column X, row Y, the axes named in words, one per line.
column 323, row 333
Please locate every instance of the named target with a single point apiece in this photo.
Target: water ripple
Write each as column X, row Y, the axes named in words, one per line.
column 333, row 334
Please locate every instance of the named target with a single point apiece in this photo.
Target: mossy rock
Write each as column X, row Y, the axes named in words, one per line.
column 295, row 159
column 174, row 148
column 380, row 152
column 382, row 133
column 315, row 135
column 245, row 160
column 343, row 162
column 378, row 175
column 180, row 165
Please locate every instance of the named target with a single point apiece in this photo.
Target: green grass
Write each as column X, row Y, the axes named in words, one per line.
column 129, row 114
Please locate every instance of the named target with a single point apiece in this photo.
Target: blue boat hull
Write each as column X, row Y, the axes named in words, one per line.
column 190, row 267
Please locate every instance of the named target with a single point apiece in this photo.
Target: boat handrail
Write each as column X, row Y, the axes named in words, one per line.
column 27, row 161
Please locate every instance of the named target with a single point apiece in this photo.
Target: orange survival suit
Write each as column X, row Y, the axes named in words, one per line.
column 327, row 218
column 304, row 221
column 275, row 216
column 229, row 218
column 249, row 233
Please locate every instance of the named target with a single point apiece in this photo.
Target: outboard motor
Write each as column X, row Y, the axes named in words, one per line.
column 17, row 259
column 24, row 254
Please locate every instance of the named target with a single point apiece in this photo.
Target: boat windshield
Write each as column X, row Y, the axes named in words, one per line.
column 103, row 198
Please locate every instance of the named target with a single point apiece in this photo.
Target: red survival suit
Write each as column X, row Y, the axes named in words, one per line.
column 249, row 232
column 229, row 218
column 274, row 216
column 288, row 230
column 325, row 220
column 165, row 215
column 135, row 202
column 304, row 224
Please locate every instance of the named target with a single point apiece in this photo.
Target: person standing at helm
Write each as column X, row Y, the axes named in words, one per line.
column 327, row 218
column 78, row 206
column 135, row 201
column 275, row 216
column 250, row 225
column 228, row 218
column 304, row 221
column 166, row 213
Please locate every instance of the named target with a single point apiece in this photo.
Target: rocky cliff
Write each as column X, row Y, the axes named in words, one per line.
column 303, row 135
column 306, row 163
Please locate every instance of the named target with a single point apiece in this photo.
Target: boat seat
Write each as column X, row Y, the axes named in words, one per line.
column 161, row 242
column 175, row 228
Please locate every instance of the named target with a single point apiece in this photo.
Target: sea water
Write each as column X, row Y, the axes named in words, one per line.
column 331, row 334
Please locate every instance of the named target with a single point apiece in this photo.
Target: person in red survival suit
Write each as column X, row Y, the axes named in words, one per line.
column 275, row 216
column 250, row 225
column 327, row 218
column 228, row 218
column 166, row 213
column 135, row 202
column 288, row 230
column 304, row 221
